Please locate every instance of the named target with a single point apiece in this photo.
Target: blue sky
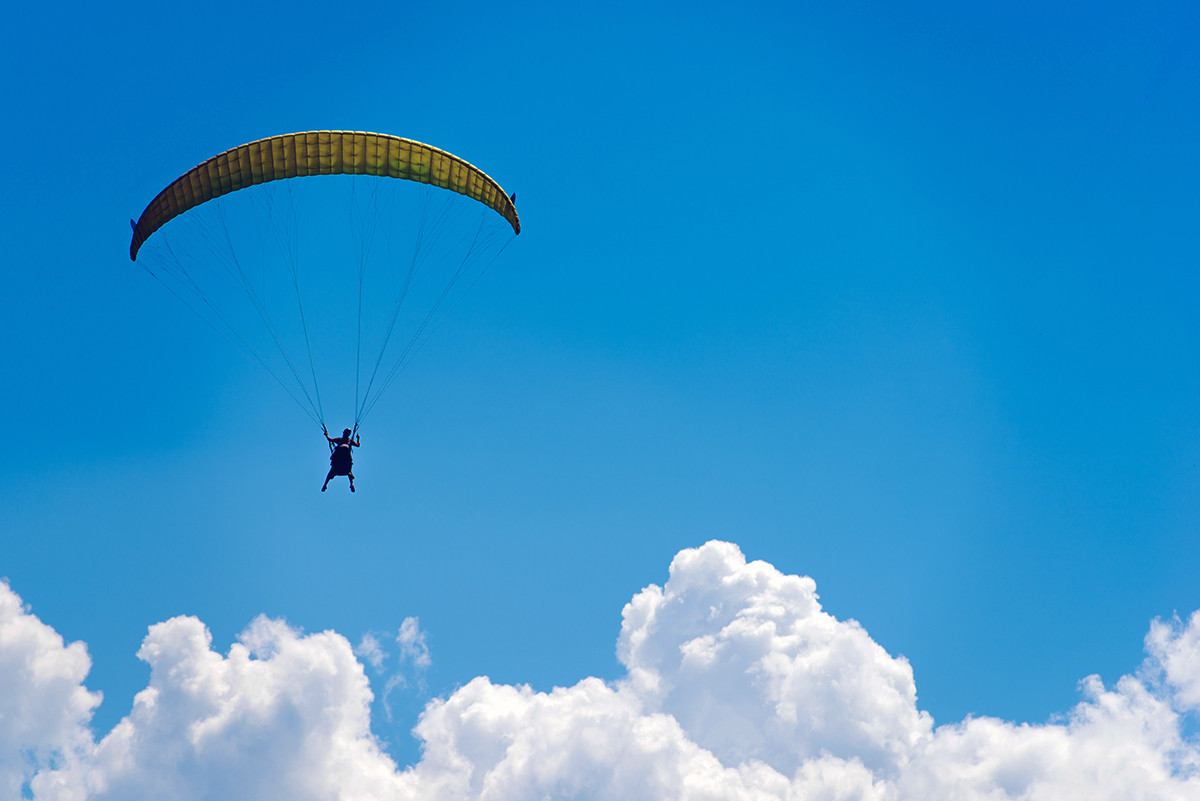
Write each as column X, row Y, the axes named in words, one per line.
column 898, row 298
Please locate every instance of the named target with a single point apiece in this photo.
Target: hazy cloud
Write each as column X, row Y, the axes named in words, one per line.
column 411, row 662
column 371, row 651
column 738, row 686
column 411, row 640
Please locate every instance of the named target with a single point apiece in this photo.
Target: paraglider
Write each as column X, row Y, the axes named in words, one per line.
column 341, row 462
column 385, row 258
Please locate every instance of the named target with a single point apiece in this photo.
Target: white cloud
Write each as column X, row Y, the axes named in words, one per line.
column 371, row 651
column 44, row 708
column 1123, row 743
column 1176, row 647
column 743, row 657
column 738, row 686
column 412, row 644
column 283, row 716
column 414, row 660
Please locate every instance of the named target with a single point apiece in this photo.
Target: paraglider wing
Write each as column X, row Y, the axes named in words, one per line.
column 320, row 153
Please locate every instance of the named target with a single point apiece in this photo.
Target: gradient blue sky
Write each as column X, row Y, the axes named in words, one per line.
column 899, row 297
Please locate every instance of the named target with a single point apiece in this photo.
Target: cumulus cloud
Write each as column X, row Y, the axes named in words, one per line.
column 44, row 708
column 1175, row 647
column 738, row 686
column 282, row 716
column 745, row 659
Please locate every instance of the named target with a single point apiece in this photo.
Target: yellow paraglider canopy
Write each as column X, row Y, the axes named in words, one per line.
column 320, row 153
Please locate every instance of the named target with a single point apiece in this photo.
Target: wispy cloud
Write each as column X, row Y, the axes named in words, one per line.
column 371, row 651
column 412, row 661
column 411, row 640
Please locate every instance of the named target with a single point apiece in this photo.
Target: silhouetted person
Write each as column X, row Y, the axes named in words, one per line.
column 340, row 461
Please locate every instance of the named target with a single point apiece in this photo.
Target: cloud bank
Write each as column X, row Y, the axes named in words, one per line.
column 738, row 686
